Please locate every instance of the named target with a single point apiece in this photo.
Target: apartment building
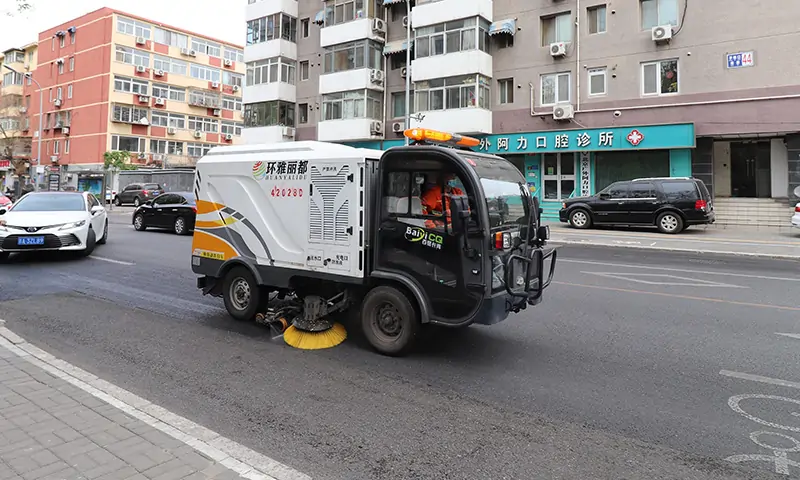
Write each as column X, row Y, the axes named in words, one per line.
column 15, row 134
column 112, row 81
column 577, row 93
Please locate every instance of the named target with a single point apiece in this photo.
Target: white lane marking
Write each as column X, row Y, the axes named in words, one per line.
column 681, row 281
column 111, row 260
column 242, row 460
column 680, row 270
column 779, row 256
column 735, row 401
column 594, row 237
column 790, row 335
column 762, row 379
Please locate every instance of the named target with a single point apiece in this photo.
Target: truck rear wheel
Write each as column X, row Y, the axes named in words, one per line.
column 389, row 321
column 241, row 294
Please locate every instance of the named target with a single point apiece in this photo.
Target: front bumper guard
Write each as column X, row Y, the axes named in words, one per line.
column 532, row 270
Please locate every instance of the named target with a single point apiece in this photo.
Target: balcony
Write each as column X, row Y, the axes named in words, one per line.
column 360, row 29
column 271, row 79
column 466, row 121
column 350, row 116
column 459, row 63
column 440, row 11
column 265, row 8
column 462, row 103
column 273, row 35
column 364, row 78
column 272, row 134
column 204, row 99
column 355, row 129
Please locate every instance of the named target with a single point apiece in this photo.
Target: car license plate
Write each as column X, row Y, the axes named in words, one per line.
column 30, row 241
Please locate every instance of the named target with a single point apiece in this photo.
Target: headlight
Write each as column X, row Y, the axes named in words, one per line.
column 73, row 225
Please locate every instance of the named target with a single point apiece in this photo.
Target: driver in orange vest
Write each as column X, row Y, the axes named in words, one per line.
column 431, row 199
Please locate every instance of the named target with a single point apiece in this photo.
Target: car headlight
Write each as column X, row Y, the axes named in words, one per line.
column 69, row 226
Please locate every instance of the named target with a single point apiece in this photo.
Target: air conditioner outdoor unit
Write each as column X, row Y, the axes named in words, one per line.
column 398, row 127
column 376, row 128
column 376, row 76
column 228, row 63
column 60, row 61
column 140, row 69
column 160, row 101
column 378, row 25
column 198, row 134
column 228, row 136
column 558, row 49
column 288, row 132
column 157, row 157
column 405, row 21
column 217, row 112
column 661, row 33
column 57, row 102
column 214, row 84
column 141, row 40
column 65, row 130
column 184, row 51
column 236, row 88
column 158, row 73
column 171, row 130
column 404, row 72
column 563, row 112
column 22, row 110
column 192, row 53
column 144, row 99
column 54, row 158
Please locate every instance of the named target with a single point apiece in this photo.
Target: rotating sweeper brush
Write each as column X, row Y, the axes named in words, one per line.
column 309, row 327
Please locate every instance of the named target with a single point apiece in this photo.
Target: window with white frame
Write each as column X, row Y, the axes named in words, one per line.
column 63, row 118
column 658, row 12
column 597, row 81
column 198, row 149
column 203, row 124
column 71, row 64
column 302, row 113
column 230, row 128
column 170, row 92
column 233, row 79
column 343, row 11
column 269, row 114
column 69, row 91
column 352, row 104
column 132, row 56
column 505, row 91
column 124, row 143
column 167, row 119
column 232, row 103
column 59, row 93
column 128, row 114
column 133, row 27
column 60, row 68
column 557, row 28
column 596, row 18
column 56, row 144
column 205, row 73
column 456, row 36
column 305, row 27
column 12, row 78
column 62, row 41
column 305, row 70
column 205, row 98
column 130, row 85
column 212, row 49
column 170, row 65
column 166, row 147
column 14, row 57
column 450, row 93
column 272, row 27
column 66, row 142
column 555, row 88
column 234, row 55
column 9, row 123
column 168, row 37
column 352, row 56
column 271, row 70
column 660, row 78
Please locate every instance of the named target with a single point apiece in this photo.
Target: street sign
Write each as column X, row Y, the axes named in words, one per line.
column 741, row 59
column 54, row 182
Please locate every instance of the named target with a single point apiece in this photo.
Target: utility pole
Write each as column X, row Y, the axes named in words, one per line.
column 408, row 67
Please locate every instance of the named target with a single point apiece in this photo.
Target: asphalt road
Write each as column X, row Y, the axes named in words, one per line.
column 629, row 369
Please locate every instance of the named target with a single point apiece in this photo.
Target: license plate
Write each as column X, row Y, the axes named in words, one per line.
column 30, row 241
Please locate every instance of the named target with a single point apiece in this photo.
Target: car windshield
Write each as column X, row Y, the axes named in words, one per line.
column 50, row 202
column 504, row 188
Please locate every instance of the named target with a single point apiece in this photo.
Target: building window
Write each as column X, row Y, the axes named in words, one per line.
column 62, row 40
column 343, row 11
column 205, row 73
column 452, row 93
column 352, row 56
column 128, row 114
column 56, row 143
column 232, row 103
column 505, row 90
column 12, row 78
column 212, row 49
column 60, row 67
column 399, row 104
column 302, row 113
column 555, row 88
column 659, row 12
column 234, row 55
column 271, row 70
column 63, row 119
column 597, row 81
column 66, row 142
column 133, row 27
column 353, row 104
column 305, row 70
column 132, row 56
column 8, row 124
column 72, row 42
column 269, row 114
column 122, row 143
column 59, row 93
column 451, row 37
column 71, row 64
column 557, row 28
column 231, row 128
column 205, row 98
column 169, row 92
column 166, row 119
column 305, row 29
column 197, row 150
column 660, row 78
column 203, row 124
column 168, row 37
column 130, row 85
column 397, row 61
column 170, row 65
column 596, row 17
column 233, row 79
column 15, row 57
column 272, row 27
column 166, row 147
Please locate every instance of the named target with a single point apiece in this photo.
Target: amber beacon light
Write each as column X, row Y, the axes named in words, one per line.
column 435, row 136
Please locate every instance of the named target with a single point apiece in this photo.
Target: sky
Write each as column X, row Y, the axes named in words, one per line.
column 219, row 19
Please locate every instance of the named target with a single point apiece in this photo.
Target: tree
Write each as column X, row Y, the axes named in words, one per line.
column 15, row 146
column 118, row 161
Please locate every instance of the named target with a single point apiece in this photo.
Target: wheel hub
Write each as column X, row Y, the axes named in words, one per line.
column 388, row 320
column 240, row 293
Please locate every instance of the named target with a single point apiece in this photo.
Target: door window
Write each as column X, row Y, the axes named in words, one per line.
column 162, row 200
column 617, row 191
column 417, row 198
column 642, row 190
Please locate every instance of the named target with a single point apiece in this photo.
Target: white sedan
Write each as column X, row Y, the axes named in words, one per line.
column 55, row 221
column 796, row 216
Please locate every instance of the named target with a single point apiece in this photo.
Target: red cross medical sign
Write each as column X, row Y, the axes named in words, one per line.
column 635, row 137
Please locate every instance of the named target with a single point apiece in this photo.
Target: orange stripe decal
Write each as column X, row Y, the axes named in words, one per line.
column 204, row 206
column 205, row 242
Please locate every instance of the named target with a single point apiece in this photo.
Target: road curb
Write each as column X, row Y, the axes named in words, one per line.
column 680, row 250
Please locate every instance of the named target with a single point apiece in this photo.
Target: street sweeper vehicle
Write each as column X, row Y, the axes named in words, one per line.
column 296, row 234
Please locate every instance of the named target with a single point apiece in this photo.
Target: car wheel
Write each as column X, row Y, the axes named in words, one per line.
column 91, row 242
column 104, row 238
column 241, row 294
column 136, row 202
column 579, row 218
column 117, row 201
column 138, row 222
column 669, row 222
column 389, row 321
column 180, row 226
column 4, row 256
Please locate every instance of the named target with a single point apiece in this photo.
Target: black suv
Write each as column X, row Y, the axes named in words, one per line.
column 670, row 203
column 138, row 193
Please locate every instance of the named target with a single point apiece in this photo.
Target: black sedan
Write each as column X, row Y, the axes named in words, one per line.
column 175, row 211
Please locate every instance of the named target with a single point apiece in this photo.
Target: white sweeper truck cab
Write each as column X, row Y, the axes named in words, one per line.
column 294, row 234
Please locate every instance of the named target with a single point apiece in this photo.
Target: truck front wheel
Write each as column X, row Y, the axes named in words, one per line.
column 241, row 294
column 390, row 321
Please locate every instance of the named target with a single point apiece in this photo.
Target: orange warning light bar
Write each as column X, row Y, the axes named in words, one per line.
column 435, row 136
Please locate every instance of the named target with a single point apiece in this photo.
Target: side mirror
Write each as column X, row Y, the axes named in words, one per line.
column 459, row 210
column 604, row 196
column 3, row 211
column 97, row 209
column 149, row 202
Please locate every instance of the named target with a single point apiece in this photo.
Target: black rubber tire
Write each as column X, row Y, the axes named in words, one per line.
column 676, row 223
column 117, row 201
column 405, row 341
column 4, row 256
column 247, row 314
column 572, row 220
column 104, row 238
column 141, row 225
column 136, row 202
column 184, row 230
column 91, row 242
